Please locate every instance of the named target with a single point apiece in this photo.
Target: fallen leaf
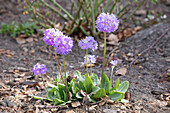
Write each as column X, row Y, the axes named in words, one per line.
column 113, row 39
column 93, row 108
column 120, row 35
column 21, row 39
column 121, row 71
column 138, row 28
column 75, row 104
column 29, row 39
column 58, row 25
column 127, row 32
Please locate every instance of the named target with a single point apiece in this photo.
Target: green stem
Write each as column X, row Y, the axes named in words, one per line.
column 65, row 77
column 111, row 77
column 93, row 18
column 58, row 65
column 104, row 53
column 86, row 61
column 54, row 9
column 106, row 6
column 113, row 6
column 60, row 7
column 91, row 68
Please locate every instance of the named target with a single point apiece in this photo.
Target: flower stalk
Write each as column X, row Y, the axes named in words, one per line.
column 104, row 53
column 65, row 76
column 58, row 66
column 86, row 61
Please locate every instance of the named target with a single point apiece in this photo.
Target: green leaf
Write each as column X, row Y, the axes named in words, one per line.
column 100, row 93
column 81, row 85
column 53, row 93
column 105, row 83
column 88, row 84
column 95, row 88
column 90, row 99
column 123, row 87
column 115, row 96
column 116, row 84
column 71, row 84
column 62, row 90
column 58, row 101
column 78, row 96
column 41, row 98
column 153, row 1
column 79, row 76
column 95, row 80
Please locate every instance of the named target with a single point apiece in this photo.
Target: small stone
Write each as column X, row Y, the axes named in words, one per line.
column 140, row 12
column 75, row 104
column 109, row 111
column 130, row 54
column 122, row 107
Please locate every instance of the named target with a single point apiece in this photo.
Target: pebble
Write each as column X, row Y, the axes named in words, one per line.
column 109, row 111
column 122, row 107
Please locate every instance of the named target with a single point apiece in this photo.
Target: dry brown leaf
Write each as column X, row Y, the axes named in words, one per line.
column 102, row 103
column 121, row 71
column 138, row 28
column 112, row 37
column 58, row 25
column 29, row 39
column 120, row 35
column 20, row 40
column 75, row 104
column 93, row 108
column 127, row 32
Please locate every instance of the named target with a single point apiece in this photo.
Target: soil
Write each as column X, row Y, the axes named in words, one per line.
column 148, row 92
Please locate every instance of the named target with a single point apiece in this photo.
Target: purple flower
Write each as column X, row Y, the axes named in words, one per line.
column 88, row 42
column 39, row 69
column 63, row 44
column 113, row 63
column 90, row 59
column 107, row 23
column 50, row 35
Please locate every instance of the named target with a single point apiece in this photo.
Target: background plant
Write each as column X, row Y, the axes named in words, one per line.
column 14, row 29
column 81, row 15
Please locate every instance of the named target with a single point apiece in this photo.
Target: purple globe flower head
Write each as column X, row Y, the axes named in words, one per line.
column 39, row 69
column 50, row 35
column 88, row 42
column 113, row 62
column 107, row 23
column 90, row 59
column 63, row 44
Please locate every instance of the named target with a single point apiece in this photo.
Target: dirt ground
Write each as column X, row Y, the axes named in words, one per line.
column 148, row 91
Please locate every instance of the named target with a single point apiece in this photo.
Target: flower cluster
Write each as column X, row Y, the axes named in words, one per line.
column 88, row 42
column 113, row 62
column 63, row 44
column 50, row 35
column 39, row 69
column 107, row 23
column 90, row 59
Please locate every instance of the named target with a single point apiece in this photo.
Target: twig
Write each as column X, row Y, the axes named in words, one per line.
column 145, row 50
